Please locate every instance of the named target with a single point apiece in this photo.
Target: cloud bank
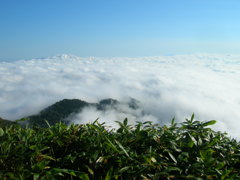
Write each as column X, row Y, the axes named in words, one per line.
column 167, row 86
column 112, row 113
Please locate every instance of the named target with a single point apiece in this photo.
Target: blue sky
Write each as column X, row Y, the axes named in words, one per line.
column 31, row 28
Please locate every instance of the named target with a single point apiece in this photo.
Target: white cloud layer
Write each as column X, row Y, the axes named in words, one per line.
column 167, row 86
column 111, row 115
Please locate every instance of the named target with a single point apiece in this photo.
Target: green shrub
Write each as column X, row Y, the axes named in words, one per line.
column 143, row 151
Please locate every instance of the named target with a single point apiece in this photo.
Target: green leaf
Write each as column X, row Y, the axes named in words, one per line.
column 90, row 170
column 193, row 177
column 169, row 169
column 125, row 122
column 172, row 157
column 206, row 154
column 48, row 123
column 192, row 117
column 83, row 176
column 208, row 123
column 111, row 145
column 192, row 138
column 108, row 176
column 124, row 169
column 190, row 144
column 153, row 160
column 46, row 157
column 119, row 144
column 100, row 159
column 36, row 176
column 41, row 165
column 219, row 172
column 220, row 165
column 199, row 141
column 1, row 132
column 173, row 121
column 79, row 174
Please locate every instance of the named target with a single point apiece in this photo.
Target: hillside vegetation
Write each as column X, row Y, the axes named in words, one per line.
column 190, row 150
column 61, row 110
column 58, row 112
column 4, row 122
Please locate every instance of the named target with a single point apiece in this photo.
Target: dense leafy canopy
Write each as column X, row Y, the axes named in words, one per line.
column 190, row 150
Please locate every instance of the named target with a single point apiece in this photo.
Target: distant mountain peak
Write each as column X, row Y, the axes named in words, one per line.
column 65, row 56
column 108, row 101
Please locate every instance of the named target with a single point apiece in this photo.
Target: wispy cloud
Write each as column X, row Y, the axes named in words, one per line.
column 167, row 86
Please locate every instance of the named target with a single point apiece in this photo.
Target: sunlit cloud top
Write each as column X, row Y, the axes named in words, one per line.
column 167, row 86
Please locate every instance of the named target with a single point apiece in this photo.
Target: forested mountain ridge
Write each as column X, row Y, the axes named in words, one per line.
column 57, row 112
column 61, row 110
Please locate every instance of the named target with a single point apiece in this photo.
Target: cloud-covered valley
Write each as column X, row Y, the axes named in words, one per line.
column 166, row 86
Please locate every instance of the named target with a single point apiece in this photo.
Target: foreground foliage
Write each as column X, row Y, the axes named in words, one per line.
column 144, row 151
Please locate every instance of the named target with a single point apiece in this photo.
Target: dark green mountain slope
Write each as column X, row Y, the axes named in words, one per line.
column 57, row 112
column 60, row 111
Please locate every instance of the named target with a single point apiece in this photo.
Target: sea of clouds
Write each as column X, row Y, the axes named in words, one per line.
column 166, row 86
